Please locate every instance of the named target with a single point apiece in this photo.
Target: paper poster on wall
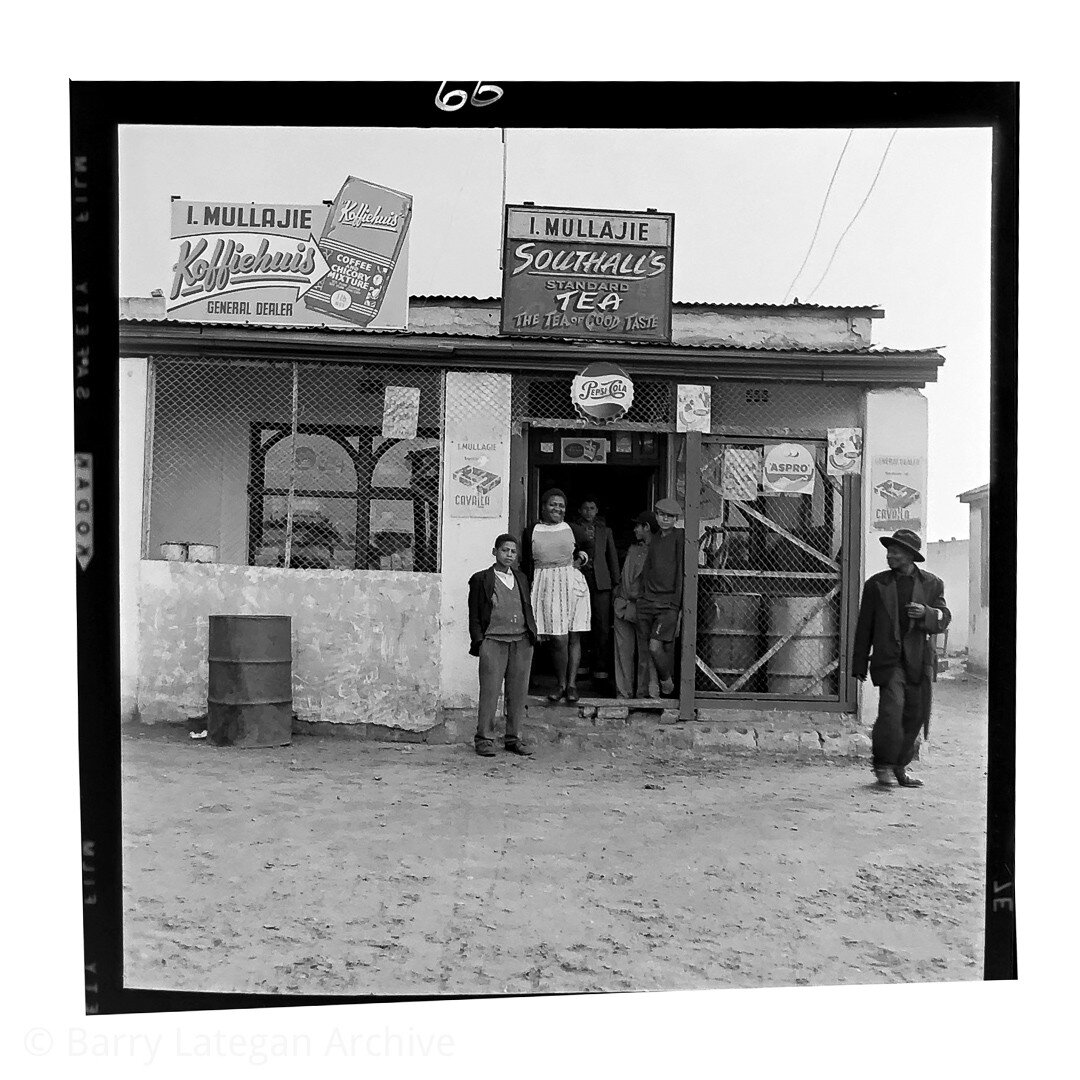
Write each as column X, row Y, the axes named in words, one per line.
column 896, row 496
column 694, row 410
column 401, row 412
column 740, row 472
column 476, row 488
column 583, row 451
column 789, row 470
column 845, row 451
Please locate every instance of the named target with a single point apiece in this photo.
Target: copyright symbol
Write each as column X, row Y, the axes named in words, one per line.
column 38, row 1042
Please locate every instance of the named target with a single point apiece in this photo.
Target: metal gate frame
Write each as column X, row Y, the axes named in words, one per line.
column 689, row 699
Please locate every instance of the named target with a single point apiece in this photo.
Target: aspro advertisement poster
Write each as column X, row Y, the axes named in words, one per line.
column 602, row 275
column 896, row 493
column 788, row 469
column 293, row 265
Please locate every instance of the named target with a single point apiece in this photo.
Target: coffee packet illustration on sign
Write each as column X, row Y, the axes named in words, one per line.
column 361, row 242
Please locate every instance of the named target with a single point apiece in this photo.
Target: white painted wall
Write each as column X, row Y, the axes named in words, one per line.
column 133, row 377
column 948, row 559
column 477, row 404
column 978, row 616
column 895, row 424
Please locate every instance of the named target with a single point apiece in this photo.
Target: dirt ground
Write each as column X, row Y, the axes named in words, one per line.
column 333, row 866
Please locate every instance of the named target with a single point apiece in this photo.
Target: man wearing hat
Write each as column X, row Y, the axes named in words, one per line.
column 900, row 608
column 660, row 600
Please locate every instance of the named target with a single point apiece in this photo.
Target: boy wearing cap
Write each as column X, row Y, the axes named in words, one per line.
column 634, row 677
column 900, row 608
column 502, row 630
column 660, row 601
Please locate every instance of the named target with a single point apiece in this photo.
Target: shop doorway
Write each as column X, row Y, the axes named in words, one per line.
column 624, row 472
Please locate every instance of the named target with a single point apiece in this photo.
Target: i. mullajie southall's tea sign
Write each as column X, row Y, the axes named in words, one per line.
column 601, row 275
column 288, row 264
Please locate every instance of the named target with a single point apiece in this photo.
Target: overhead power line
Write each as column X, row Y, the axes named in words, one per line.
column 866, row 199
column 824, row 203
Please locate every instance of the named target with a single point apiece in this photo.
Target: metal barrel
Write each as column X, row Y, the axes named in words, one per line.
column 250, row 695
column 795, row 667
column 729, row 630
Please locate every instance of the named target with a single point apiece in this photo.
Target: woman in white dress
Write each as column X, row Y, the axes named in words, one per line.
column 560, row 593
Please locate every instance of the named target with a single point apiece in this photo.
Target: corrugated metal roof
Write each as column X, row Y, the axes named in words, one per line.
column 722, row 305
column 974, row 494
column 839, row 350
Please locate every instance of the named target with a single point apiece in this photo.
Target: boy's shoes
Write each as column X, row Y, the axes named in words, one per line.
column 518, row 748
column 556, row 696
column 485, row 749
column 572, row 694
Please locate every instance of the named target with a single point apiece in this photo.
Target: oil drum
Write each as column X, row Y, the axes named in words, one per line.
column 729, row 630
column 792, row 669
column 250, row 694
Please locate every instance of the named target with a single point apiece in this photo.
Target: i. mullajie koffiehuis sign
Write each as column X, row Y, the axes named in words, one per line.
column 598, row 275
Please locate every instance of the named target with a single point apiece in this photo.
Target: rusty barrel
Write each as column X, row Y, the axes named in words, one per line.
column 795, row 667
column 728, row 630
column 250, row 696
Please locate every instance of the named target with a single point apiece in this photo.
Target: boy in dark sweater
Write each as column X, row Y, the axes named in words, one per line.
column 503, row 632
column 660, row 600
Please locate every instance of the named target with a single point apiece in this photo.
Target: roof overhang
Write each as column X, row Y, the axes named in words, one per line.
column 912, row 368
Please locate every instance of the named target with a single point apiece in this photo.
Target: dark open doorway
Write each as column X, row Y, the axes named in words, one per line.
column 622, row 471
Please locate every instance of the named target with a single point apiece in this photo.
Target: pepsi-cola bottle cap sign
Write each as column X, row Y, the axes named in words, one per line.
column 602, row 392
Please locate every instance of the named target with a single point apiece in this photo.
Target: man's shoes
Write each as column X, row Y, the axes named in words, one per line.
column 485, row 749
column 572, row 694
column 518, row 748
column 885, row 777
column 905, row 779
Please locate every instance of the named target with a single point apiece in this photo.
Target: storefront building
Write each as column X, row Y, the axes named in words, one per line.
column 353, row 479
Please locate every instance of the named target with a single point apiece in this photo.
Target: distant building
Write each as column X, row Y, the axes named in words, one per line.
column 948, row 559
column 978, row 500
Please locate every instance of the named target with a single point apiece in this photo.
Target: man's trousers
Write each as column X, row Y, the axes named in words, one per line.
column 503, row 664
column 903, row 708
column 633, row 679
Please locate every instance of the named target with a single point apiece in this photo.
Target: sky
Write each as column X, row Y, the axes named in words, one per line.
column 746, row 206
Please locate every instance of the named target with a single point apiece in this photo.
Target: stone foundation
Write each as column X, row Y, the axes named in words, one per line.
column 799, row 736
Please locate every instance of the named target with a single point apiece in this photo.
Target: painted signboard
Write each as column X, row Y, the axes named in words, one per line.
column 600, row 275
column 291, row 264
column 896, row 493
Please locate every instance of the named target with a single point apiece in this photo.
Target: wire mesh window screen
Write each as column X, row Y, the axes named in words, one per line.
column 546, row 400
column 778, row 408
column 280, row 464
column 770, row 571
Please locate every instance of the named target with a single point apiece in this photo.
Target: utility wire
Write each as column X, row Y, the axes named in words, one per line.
column 824, row 203
column 866, row 198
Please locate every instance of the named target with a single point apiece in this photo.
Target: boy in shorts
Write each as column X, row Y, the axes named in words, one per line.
column 659, row 603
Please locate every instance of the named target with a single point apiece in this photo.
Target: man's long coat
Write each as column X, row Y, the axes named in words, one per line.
column 877, row 634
